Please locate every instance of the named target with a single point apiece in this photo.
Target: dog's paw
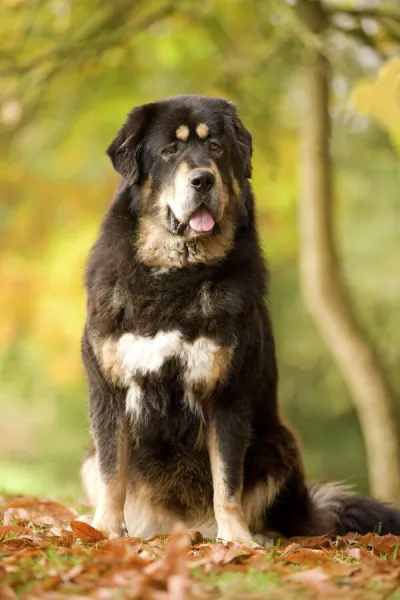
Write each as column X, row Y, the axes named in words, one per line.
column 264, row 540
column 241, row 541
column 111, row 528
column 237, row 535
column 242, row 536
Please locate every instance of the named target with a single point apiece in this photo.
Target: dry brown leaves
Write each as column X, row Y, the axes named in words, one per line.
column 46, row 553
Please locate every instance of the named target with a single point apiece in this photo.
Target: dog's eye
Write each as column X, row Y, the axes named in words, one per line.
column 170, row 150
column 214, row 147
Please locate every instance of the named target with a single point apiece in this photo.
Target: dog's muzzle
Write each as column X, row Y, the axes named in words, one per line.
column 201, row 181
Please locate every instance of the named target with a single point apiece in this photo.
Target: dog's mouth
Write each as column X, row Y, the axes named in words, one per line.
column 200, row 222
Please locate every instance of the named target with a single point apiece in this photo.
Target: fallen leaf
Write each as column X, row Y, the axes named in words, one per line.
column 383, row 544
column 86, row 532
column 12, row 530
column 224, row 555
column 293, row 547
column 39, row 511
column 319, row 581
column 120, row 546
column 7, row 593
column 354, row 553
column 308, row 557
column 313, row 543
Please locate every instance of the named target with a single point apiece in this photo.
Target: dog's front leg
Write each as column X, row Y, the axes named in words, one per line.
column 111, row 439
column 228, row 439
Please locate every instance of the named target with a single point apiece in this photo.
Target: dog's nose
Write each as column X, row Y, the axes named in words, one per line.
column 202, row 180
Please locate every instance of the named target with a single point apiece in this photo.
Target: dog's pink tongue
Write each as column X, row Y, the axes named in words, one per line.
column 201, row 220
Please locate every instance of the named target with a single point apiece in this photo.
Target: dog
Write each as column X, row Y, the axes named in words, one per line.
column 179, row 351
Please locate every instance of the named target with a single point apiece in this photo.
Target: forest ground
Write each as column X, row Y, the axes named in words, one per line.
column 46, row 554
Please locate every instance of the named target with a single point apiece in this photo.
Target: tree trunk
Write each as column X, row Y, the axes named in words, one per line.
column 322, row 287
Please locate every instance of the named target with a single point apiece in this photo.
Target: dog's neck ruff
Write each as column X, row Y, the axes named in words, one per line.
column 158, row 248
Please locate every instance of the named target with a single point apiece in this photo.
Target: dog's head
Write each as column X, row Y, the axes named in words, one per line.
column 187, row 159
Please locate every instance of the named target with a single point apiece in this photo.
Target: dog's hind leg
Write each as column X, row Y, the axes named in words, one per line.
column 143, row 517
column 90, row 476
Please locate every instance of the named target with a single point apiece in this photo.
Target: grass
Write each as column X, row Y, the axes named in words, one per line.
column 233, row 585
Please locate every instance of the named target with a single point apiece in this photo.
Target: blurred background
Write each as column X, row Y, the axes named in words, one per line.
column 69, row 73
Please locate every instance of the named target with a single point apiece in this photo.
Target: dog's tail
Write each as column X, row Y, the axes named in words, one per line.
column 347, row 511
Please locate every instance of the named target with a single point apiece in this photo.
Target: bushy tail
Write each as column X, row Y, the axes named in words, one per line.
column 347, row 511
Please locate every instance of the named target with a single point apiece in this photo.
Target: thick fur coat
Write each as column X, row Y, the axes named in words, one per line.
column 179, row 351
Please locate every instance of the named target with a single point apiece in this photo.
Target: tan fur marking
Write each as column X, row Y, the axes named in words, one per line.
column 106, row 351
column 160, row 249
column 182, row 133
column 109, row 515
column 256, row 500
column 143, row 517
column 146, row 189
column 220, row 367
column 201, row 436
column 206, row 364
column 232, row 526
column 236, row 187
column 202, row 130
column 223, row 192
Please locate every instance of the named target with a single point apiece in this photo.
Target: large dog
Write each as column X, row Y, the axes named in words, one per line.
column 179, row 350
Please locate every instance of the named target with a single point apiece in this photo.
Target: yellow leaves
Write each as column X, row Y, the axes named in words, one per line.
column 380, row 99
column 275, row 185
column 60, row 305
column 47, row 228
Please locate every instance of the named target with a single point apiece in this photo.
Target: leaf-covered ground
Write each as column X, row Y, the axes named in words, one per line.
column 46, row 554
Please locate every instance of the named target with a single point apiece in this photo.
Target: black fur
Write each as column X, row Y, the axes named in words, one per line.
column 127, row 295
column 366, row 514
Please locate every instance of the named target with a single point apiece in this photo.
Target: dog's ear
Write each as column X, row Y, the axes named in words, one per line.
column 125, row 149
column 243, row 138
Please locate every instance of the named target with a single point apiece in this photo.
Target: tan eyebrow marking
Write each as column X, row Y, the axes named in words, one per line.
column 202, row 130
column 236, row 187
column 182, row 133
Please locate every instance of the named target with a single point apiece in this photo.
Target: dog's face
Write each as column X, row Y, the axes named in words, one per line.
column 189, row 158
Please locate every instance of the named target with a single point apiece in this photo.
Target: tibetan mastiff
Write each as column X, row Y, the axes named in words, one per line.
column 179, row 351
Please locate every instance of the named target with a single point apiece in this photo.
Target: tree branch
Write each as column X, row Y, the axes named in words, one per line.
column 388, row 25
column 365, row 13
column 359, row 35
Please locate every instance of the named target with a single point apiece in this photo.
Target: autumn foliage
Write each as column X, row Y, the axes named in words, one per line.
column 46, row 553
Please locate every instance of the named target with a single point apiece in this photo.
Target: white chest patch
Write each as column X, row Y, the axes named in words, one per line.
column 203, row 362
column 147, row 354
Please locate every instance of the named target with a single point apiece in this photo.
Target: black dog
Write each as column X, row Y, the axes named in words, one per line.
column 179, row 351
